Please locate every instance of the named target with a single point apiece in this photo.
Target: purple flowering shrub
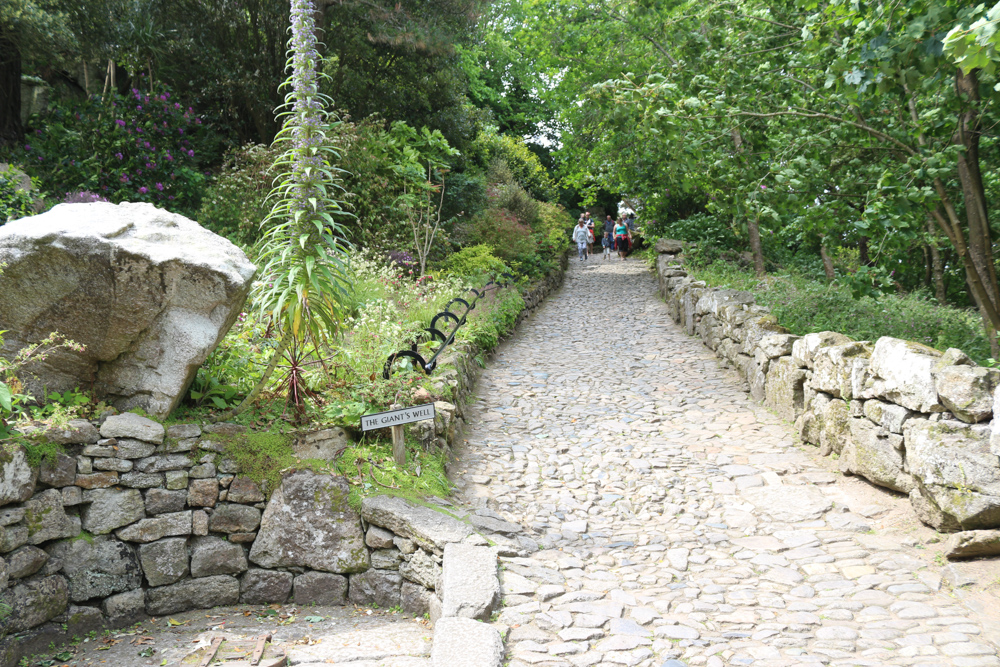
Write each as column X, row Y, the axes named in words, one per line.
column 133, row 147
column 402, row 259
column 82, row 197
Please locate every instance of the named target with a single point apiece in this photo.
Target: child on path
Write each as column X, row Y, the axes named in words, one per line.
column 607, row 242
column 582, row 237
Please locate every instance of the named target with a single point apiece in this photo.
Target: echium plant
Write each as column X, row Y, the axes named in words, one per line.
column 304, row 279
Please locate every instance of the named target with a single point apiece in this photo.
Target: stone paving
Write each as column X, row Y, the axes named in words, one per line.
column 677, row 522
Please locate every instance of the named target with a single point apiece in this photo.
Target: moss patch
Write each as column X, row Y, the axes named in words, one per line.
column 371, row 470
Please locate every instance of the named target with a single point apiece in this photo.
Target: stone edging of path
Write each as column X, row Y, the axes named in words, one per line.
column 900, row 414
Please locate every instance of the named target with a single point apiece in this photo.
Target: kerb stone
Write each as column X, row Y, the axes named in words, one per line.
column 471, row 585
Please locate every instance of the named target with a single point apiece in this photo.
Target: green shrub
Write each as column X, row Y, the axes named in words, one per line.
column 524, row 165
column 15, row 201
column 494, row 317
column 807, row 306
column 478, row 263
column 500, row 230
column 234, row 204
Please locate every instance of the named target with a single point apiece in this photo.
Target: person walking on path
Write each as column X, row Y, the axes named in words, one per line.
column 590, row 236
column 581, row 235
column 607, row 242
column 609, row 227
column 623, row 239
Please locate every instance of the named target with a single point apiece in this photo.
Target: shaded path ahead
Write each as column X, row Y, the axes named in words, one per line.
column 679, row 521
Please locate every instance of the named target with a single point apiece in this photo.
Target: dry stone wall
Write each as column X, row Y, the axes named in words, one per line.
column 135, row 519
column 900, row 414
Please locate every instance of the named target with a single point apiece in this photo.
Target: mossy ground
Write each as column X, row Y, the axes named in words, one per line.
column 371, row 470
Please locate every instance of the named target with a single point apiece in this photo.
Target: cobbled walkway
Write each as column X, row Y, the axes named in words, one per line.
column 678, row 524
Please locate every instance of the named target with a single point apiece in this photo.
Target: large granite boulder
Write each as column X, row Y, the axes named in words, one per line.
column 956, row 475
column 308, row 523
column 148, row 293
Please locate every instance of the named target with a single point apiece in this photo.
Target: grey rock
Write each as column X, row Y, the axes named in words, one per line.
column 11, row 515
column 176, row 479
column 386, row 559
column 494, row 525
column 957, row 475
column 201, row 593
column 967, row 391
column 265, row 587
column 381, row 587
column 183, row 431
column 163, row 501
column 471, row 585
column 71, row 496
column 107, row 509
column 669, row 246
column 233, row 518
column 213, row 555
column 25, row 561
column 141, row 480
column 378, row 538
column 98, row 568
column 34, row 602
column 901, row 372
column 17, row 478
column 131, row 425
column 58, row 473
column 320, row 588
column 130, row 448
column 784, row 389
column 146, row 324
column 118, row 465
column 421, row 569
column 13, row 537
column 47, row 520
column 202, row 471
column 429, row 529
column 98, row 480
column 203, row 492
column 163, row 463
column 164, row 561
column 245, row 490
column 971, row 544
column 308, row 523
column 124, row 605
column 462, row 641
column 876, row 455
column 833, row 367
column 414, row 598
column 75, row 432
column 804, row 350
column 157, row 527
column 326, row 444
column 889, row 416
column 81, row 620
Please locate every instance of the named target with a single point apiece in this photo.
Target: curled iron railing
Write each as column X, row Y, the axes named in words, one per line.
column 436, row 333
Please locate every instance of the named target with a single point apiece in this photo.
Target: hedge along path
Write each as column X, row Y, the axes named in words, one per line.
column 679, row 523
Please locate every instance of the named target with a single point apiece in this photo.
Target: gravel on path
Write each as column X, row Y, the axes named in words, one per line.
column 678, row 522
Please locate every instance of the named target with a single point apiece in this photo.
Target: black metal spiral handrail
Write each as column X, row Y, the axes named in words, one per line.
column 446, row 339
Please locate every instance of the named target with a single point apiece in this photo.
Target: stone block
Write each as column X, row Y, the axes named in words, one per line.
column 430, row 529
column 163, row 501
column 833, row 368
column 199, row 522
column 157, row 527
column 378, row 538
column 233, row 518
column 164, row 463
column 889, row 416
column 804, row 349
column 97, row 568
column 901, row 372
column 462, row 641
column 784, row 389
column 164, row 561
column 183, row 431
column 967, row 391
column 202, row 471
column 386, row 559
column 414, row 598
column 130, row 448
column 265, row 587
column 471, row 585
column 876, row 455
column 836, row 427
column 75, row 432
column 117, row 465
column 381, row 587
column 308, row 523
column 203, row 492
column 176, row 479
column 245, row 490
column 131, row 425
column 97, row 480
column 421, row 568
column 34, row 602
column 958, row 477
column 141, row 480
column 326, row 444
column 58, row 473
column 47, row 520
column 84, row 465
column 17, row 478
column 320, row 588
column 71, row 496
column 25, row 561
column 189, row 594
column 13, row 537
column 213, row 555
column 124, row 605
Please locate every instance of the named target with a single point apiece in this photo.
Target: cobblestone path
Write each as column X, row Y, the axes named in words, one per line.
column 677, row 521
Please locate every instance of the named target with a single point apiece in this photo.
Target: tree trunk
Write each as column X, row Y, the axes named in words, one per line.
column 863, row 257
column 937, row 268
column 11, row 130
column 753, row 227
column 974, row 195
column 827, row 262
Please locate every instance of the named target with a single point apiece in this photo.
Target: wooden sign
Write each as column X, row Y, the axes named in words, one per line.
column 397, row 417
